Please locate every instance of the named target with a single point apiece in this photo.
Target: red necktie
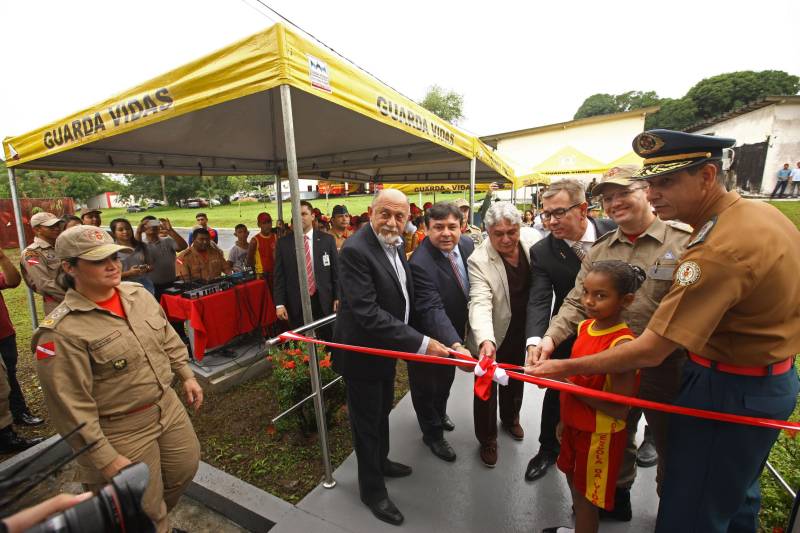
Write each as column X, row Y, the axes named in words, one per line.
column 312, row 285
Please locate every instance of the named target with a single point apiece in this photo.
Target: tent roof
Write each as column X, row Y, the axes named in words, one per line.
column 569, row 160
column 221, row 115
column 628, row 159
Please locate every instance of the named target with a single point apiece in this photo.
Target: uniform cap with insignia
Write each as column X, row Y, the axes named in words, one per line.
column 666, row 151
column 621, row 175
column 87, row 242
column 44, row 219
column 460, row 202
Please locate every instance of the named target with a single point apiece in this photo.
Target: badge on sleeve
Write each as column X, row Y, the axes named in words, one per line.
column 46, row 350
column 31, row 258
column 688, row 273
column 326, row 259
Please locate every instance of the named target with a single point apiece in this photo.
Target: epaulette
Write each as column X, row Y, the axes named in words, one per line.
column 703, row 233
column 55, row 316
column 680, row 226
column 605, row 235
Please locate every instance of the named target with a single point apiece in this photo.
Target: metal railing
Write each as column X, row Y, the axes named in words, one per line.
column 316, row 396
column 782, row 482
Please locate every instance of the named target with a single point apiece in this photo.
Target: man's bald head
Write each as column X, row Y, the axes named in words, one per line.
column 389, row 214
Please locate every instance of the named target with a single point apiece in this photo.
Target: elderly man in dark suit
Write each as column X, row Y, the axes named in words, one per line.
column 376, row 294
column 555, row 262
column 441, row 295
column 321, row 272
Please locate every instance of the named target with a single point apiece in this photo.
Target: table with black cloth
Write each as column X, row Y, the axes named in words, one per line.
column 218, row 318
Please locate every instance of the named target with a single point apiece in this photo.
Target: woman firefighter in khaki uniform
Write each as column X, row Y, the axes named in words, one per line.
column 106, row 357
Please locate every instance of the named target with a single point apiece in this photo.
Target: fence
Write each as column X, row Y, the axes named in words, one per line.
column 29, row 206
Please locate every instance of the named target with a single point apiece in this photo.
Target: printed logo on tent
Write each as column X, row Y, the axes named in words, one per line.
column 318, row 74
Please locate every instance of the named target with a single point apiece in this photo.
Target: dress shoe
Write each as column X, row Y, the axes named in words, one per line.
column 646, row 455
column 10, row 442
column 622, row 511
column 447, row 424
column 442, row 449
column 537, row 467
column 559, row 529
column 392, row 469
column 515, row 430
column 489, row 454
column 385, row 510
column 28, row 419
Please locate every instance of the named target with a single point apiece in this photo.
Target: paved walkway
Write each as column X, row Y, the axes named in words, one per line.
column 463, row 496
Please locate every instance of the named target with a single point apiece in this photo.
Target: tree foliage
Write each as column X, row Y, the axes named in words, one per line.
column 708, row 98
column 604, row 104
column 54, row 184
column 447, row 105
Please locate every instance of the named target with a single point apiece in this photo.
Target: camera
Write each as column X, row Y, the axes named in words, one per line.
column 116, row 508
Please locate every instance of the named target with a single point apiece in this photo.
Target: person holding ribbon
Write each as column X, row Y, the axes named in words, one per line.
column 376, row 295
column 499, row 284
column 733, row 305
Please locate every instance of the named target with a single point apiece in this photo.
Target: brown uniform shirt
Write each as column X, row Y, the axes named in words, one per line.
column 657, row 251
column 340, row 237
column 736, row 296
column 39, row 269
column 474, row 233
column 93, row 365
column 191, row 264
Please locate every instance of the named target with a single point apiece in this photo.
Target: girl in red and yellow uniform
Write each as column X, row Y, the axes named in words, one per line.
column 593, row 437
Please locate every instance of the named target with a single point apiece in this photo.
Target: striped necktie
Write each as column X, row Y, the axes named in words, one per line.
column 312, row 284
column 454, row 265
column 577, row 247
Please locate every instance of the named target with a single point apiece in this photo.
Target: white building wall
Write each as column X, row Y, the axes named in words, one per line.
column 778, row 123
column 604, row 141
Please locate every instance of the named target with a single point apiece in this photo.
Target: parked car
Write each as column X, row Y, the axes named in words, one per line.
column 151, row 205
column 194, row 203
column 135, row 208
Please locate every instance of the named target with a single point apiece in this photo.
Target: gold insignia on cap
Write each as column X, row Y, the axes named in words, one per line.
column 120, row 364
column 647, row 143
column 687, row 273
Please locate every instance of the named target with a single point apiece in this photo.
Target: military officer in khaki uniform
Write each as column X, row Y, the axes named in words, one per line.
column 473, row 232
column 644, row 240
column 39, row 264
column 202, row 260
column 106, row 357
column 733, row 306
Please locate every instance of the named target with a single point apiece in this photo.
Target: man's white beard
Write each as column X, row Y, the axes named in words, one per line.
column 390, row 240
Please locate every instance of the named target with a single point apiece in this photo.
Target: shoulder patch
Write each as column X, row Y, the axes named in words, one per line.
column 680, row 226
column 55, row 316
column 703, row 233
column 45, row 350
column 687, row 273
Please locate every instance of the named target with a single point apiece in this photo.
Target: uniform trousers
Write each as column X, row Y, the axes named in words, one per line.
column 8, row 350
column 5, row 412
column 369, row 402
column 163, row 438
column 430, row 389
column 712, row 471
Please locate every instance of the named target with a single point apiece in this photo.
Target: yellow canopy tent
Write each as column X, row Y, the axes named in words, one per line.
column 628, row 159
column 569, row 160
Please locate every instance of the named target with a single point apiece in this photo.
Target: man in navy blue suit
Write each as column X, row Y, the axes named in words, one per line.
column 441, row 295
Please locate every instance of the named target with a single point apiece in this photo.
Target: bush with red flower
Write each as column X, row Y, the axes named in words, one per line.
column 293, row 380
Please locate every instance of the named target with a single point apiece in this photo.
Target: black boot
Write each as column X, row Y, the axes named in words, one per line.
column 10, row 442
column 622, row 507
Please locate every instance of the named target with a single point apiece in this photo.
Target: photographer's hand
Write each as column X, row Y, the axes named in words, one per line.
column 111, row 469
column 31, row 516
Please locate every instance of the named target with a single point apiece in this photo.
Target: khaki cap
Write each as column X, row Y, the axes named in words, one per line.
column 87, row 242
column 88, row 210
column 460, row 202
column 621, row 175
column 44, row 219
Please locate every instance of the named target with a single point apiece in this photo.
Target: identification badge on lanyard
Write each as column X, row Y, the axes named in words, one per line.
column 326, row 259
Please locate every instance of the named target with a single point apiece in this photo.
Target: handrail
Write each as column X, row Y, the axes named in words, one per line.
column 782, row 482
column 316, row 392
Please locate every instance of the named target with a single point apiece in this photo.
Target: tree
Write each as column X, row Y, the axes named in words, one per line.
column 54, row 184
column 178, row 188
column 675, row 114
column 724, row 92
column 447, row 105
column 605, row 104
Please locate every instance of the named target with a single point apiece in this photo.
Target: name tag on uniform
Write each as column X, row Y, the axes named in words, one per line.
column 326, row 259
column 661, row 272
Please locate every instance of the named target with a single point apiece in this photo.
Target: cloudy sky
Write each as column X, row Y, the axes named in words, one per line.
column 518, row 64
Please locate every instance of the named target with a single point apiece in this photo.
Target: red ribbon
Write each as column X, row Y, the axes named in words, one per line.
column 483, row 384
column 517, row 372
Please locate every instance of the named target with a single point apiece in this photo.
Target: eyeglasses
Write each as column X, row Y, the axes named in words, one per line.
column 559, row 213
column 621, row 195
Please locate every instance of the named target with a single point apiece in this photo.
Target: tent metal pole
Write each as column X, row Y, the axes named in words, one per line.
column 472, row 165
column 12, row 181
column 279, row 196
column 305, row 297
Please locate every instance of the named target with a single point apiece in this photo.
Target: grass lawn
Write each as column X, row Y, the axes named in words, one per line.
column 232, row 426
column 227, row 216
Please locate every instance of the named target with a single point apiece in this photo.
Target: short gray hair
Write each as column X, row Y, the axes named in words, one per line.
column 574, row 188
column 502, row 211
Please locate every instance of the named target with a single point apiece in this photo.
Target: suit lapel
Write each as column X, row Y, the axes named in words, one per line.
column 500, row 269
column 372, row 240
